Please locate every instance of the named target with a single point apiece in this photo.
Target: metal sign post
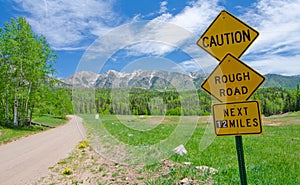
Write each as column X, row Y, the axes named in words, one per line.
column 232, row 82
column 241, row 161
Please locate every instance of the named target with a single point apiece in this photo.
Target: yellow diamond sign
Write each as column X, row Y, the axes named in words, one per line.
column 227, row 34
column 232, row 80
column 237, row 118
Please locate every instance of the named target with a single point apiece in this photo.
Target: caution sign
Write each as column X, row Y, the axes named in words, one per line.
column 232, row 80
column 237, row 118
column 227, row 34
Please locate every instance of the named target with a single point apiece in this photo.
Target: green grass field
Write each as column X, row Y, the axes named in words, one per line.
column 270, row 158
column 11, row 134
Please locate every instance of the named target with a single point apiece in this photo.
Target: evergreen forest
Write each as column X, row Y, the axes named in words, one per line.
column 136, row 101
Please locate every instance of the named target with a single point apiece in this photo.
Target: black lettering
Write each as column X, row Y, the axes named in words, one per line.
column 244, row 90
column 231, row 79
column 241, row 123
column 212, row 41
column 246, row 110
column 239, row 112
column 238, row 37
column 225, row 112
column 246, row 76
column 227, row 38
column 232, row 123
column 222, row 92
column 224, row 79
column 232, row 112
column 255, row 122
column 220, row 44
column 246, row 35
column 229, row 92
column 217, row 79
column 237, row 91
column 239, row 77
column 203, row 42
column 232, row 38
column 248, row 122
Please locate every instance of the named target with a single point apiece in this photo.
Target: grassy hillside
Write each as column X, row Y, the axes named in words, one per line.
column 274, row 80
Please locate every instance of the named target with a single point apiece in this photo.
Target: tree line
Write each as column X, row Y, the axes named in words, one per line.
column 135, row 101
column 26, row 67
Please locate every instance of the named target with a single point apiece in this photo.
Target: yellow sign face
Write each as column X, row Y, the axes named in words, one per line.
column 237, row 118
column 232, row 80
column 227, row 34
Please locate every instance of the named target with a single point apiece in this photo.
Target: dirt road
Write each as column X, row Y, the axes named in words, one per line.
column 26, row 160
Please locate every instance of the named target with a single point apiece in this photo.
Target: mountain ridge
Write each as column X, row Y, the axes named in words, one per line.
column 160, row 80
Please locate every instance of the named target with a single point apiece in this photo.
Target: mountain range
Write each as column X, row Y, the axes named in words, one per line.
column 160, row 80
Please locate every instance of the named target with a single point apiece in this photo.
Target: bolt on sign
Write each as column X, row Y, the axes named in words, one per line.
column 232, row 80
column 227, row 34
column 237, row 118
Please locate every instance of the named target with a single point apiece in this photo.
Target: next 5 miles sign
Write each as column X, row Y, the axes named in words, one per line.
column 237, row 118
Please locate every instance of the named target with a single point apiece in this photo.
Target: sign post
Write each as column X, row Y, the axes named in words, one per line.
column 232, row 82
column 241, row 160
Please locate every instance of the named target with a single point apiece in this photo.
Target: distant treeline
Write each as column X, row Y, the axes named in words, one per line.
column 277, row 100
column 137, row 101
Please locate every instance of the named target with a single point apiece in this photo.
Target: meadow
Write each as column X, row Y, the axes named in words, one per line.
column 270, row 158
column 11, row 134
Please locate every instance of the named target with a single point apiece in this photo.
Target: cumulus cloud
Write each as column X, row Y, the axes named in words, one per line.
column 72, row 25
column 163, row 7
column 278, row 24
column 277, row 48
column 195, row 17
column 68, row 24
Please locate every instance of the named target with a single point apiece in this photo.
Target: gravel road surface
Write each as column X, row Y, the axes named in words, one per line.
column 28, row 159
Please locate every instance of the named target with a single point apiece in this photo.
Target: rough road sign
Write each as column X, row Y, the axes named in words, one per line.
column 237, row 118
column 232, row 80
column 227, row 34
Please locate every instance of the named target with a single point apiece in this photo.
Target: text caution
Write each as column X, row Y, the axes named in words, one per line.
column 227, row 34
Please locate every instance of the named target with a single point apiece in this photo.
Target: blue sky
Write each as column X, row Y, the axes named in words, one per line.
column 73, row 27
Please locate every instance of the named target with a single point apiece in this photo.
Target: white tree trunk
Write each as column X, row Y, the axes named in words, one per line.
column 16, row 109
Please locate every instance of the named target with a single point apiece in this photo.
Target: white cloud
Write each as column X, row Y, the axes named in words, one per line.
column 149, row 48
column 68, row 24
column 204, row 64
column 278, row 24
column 277, row 48
column 163, row 7
column 195, row 17
column 274, row 64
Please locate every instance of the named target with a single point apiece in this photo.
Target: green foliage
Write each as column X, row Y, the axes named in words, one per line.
column 26, row 62
column 277, row 100
column 273, row 100
column 11, row 134
column 49, row 120
column 286, row 82
column 137, row 101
